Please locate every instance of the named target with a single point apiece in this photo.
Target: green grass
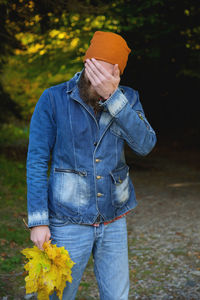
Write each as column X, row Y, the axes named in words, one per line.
column 13, row 235
column 13, row 185
column 10, row 263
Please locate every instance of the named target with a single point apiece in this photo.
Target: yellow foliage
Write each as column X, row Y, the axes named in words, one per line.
column 74, row 42
column 37, row 18
column 34, row 48
column 48, row 270
column 86, row 28
column 187, row 12
column 31, row 4
column 53, row 33
column 18, row 52
column 75, row 17
column 43, row 51
column 61, row 35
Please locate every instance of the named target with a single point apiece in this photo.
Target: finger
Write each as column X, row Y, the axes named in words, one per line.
column 37, row 244
column 89, row 77
column 47, row 238
column 94, row 67
column 100, row 68
column 116, row 71
column 95, row 78
column 93, row 70
column 40, row 245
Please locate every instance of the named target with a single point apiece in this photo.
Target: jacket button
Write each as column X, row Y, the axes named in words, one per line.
column 140, row 116
column 97, row 160
column 95, row 143
column 98, row 177
column 99, row 194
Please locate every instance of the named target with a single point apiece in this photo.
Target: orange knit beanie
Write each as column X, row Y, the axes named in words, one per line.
column 109, row 47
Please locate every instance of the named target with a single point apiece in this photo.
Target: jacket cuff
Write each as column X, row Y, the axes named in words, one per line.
column 115, row 103
column 38, row 218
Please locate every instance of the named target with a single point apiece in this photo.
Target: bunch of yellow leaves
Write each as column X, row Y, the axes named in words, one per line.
column 48, row 270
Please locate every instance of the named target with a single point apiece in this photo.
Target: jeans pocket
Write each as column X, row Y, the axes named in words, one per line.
column 55, row 222
column 120, row 186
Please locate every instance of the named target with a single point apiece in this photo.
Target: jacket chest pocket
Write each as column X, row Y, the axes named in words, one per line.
column 120, row 187
column 71, row 189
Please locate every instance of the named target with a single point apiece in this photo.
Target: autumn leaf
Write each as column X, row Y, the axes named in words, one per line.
column 48, row 270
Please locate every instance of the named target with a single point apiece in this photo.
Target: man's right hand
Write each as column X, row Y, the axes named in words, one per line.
column 39, row 235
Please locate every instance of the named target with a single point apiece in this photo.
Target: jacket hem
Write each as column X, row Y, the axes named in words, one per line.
column 85, row 220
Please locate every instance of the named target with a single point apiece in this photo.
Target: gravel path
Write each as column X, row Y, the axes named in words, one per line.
column 163, row 230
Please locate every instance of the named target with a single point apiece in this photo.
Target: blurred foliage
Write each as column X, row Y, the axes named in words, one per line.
column 12, row 134
column 43, row 42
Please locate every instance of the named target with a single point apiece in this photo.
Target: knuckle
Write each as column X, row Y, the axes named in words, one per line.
column 38, row 241
column 100, row 81
column 33, row 239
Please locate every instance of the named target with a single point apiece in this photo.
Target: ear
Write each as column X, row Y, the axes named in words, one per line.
column 116, row 71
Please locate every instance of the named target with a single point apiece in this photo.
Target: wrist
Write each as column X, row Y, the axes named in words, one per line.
column 38, row 226
column 106, row 97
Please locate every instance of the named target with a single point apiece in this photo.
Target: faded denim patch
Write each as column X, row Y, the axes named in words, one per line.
column 120, row 187
column 38, row 217
column 116, row 102
column 71, row 188
column 105, row 119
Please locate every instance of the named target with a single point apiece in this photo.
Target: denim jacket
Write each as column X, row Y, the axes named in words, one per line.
column 89, row 177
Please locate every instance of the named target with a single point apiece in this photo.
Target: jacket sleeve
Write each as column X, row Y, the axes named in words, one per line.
column 41, row 140
column 131, row 120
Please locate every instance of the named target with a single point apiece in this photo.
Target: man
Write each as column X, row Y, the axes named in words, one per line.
column 83, row 123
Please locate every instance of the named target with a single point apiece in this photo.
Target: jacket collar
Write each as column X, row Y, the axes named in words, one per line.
column 72, row 83
column 72, row 88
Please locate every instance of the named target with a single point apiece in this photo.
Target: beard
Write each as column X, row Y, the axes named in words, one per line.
column 88, row 94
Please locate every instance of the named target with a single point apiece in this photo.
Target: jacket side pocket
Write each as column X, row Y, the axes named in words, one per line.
column 120, row 187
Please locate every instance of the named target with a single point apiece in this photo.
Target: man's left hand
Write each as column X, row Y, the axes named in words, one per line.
column 103, row 82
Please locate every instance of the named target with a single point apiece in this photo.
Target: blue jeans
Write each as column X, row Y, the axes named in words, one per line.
column 108, row 245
